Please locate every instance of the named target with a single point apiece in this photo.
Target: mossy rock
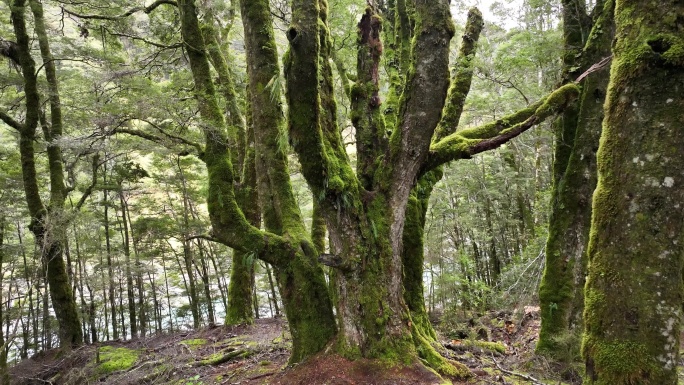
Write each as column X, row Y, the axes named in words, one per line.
column 113, row 359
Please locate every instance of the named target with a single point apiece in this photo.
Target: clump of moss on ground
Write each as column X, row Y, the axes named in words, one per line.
column 194, row 343
column 112, row 359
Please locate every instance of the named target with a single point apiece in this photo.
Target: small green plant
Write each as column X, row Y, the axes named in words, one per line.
column 194, row 343
column 194, row 380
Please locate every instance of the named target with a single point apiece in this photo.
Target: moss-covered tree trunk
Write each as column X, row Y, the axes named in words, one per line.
column 285, row 245
column 364, row 210
column 561, row 291
column 48, row 223
column 633, row 296
column 240, row 288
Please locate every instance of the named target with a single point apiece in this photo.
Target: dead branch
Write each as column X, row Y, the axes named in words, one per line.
column 523, row 376
column 595, row 68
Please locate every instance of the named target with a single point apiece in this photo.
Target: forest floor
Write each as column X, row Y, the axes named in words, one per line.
column 498, row 347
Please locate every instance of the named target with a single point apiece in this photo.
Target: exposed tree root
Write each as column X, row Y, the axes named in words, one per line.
column 427, row 348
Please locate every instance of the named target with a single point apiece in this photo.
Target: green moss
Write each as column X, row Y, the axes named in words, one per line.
column 434, row 360
column 558, row 99
column 675, row 53
column 497, row 347
column 113, row 359
column 194, row 342
column 622, row 362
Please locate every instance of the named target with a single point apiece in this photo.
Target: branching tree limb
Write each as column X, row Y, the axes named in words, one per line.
column 128, row 13
column 466, row 143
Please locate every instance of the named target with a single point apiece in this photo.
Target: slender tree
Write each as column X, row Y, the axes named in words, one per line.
column 47, row 221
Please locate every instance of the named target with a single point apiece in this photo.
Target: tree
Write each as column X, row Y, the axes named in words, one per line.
column 364, row 210
column 372, row 200
column 47, row 221
column 633, row 297
column 578, row 131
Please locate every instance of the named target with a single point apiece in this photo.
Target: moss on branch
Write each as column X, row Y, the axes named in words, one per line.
column 466, row 143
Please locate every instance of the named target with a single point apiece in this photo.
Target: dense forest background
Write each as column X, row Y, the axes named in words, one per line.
column 118, row 110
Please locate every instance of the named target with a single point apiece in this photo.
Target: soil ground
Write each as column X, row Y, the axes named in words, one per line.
column 257, row 354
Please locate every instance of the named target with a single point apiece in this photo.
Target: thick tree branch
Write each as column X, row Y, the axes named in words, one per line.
column 303, row 95
column 226, row 85
column 10, row 121
column 421, row 103
column 229, row 223
column 466, row 143
column 462, row 78
column 366, row 116
column 342, row 72
column 28, row 133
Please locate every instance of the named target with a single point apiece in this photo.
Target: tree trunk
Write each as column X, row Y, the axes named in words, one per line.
column 142, row 306
column 47, row 223
column 633, row 296
column 127, row 260
column 110, row 265
column 4, row 373
column 188, row 257
column 560, row 293
column 240, row 288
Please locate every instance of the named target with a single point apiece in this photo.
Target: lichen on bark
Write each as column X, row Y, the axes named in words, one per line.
column 561, row 290
column 633, row 295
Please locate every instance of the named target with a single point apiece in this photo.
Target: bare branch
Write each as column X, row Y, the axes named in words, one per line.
column 130, row 12
column 176, row 138
column 150, row 42
column 595, row 68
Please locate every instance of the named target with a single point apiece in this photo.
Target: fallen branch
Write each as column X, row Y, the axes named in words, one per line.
column 523, row 376
column 230, row 354
column 262, row 376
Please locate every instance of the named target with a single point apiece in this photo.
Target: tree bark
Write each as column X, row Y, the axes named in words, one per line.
column 47, row 223
column 633, row 296
column 561, row 290
column 188, row 255
column 127, row 260
column 4, row 373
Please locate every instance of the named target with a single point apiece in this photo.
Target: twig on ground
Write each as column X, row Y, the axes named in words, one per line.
column 523, row 376
column 262, row 376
